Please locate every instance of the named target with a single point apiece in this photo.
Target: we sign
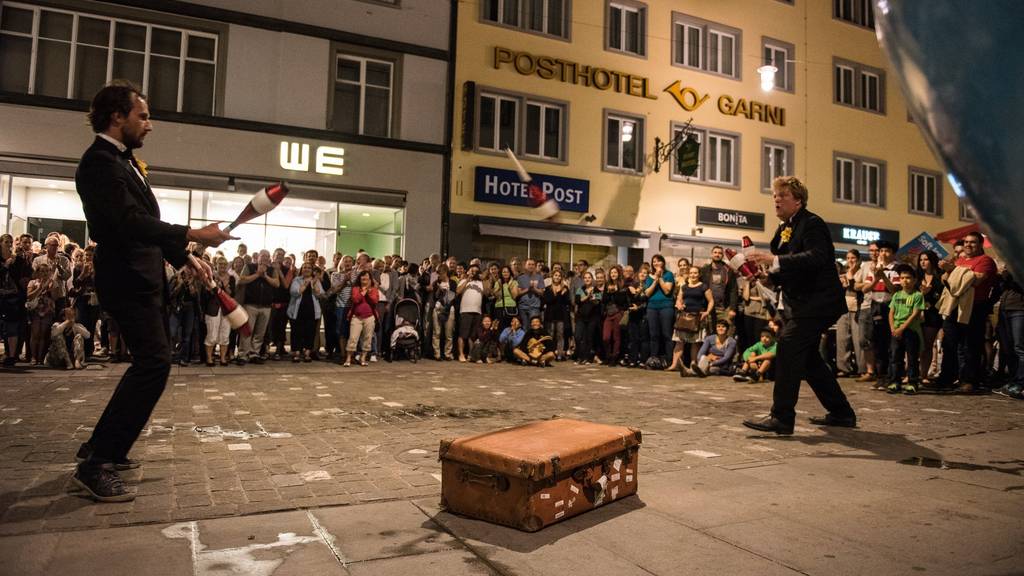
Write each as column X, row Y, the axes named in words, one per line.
column 329, row 159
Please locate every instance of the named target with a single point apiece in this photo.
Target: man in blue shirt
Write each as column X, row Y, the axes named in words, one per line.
column 531, row 290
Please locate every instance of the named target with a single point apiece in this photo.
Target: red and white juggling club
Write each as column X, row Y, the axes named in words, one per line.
column 264, row 201
column 545, row 208
column 237, row 317
column 738, row 260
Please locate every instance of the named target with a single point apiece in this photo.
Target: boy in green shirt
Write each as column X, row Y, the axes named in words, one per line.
column 905, row 313
column 757, row 360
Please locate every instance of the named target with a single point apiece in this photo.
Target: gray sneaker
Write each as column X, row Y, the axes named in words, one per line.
column 103, row 484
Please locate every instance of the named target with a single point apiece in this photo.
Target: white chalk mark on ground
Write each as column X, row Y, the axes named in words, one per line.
column 393, row 404
column 498, row 393
column 315, row 476
column 678, row 421
column 243, row 559
column 702, row 453
column 62, row 389
column 77, row 401
column 580, row 408
column 239, row 447
column 440, row 388
column 326, row 395
column 623, row 387
column 418, row 451
column 938, row 411
column 376, row 397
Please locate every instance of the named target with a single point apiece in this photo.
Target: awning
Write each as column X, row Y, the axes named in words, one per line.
column 951, row 236
column 562, row 233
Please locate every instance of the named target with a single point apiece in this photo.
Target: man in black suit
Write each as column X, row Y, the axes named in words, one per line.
column 802, row 265
column 132, row 244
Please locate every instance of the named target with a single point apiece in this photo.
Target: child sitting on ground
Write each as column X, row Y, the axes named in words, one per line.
column 537, row 348
column 757, row 360
column 486, row 348
column 67, row 342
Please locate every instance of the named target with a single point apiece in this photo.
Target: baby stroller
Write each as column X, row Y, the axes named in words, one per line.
column 405, row 340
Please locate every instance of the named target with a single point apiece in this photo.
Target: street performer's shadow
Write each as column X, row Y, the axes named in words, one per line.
column 877, row 445
column 478, row 531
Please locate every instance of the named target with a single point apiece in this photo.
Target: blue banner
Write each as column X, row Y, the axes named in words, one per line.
column 922, row 243
column 498, row 186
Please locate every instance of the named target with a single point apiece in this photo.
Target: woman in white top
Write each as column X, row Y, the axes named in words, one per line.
column 471, row 289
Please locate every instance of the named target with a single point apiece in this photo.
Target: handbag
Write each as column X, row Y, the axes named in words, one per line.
column 688, row 322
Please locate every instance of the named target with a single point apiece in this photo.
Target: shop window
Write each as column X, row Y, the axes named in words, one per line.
column 363, row 96
column 776, row 160
column 531, row 127
column 158, row 59
column 376, row 229
column 707, row 46
column 719, row 158
column 858, row 86
column 859, row 180
column 925, row 192
column 549, row 17
column 855, row 12
column 624, row 143
column 782, row 55
column 627, row 27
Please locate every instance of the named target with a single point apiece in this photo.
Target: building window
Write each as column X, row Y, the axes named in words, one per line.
column 624, row 142
column 925, row 192
column 782, row 55
column 550, row 17
column 855, row 12
column 859, row 180
column 543, row 130
column 64, row 54
column 362, row 96
column 859, row 86
column 707, row 46
column 776, row 160
column 966, row 213
column 627, row 27
column 719, row 158
column 531, row 127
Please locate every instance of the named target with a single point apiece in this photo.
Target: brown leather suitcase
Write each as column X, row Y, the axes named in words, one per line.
column 539, row 473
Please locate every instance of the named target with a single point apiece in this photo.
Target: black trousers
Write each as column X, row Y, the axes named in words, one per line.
column 963, row 347
column 798, row 359
column 143, row 326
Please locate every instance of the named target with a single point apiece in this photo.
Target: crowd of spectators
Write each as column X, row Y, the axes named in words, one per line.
column 950, row 325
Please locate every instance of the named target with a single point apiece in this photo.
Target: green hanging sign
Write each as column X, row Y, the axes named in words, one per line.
column 688, row 156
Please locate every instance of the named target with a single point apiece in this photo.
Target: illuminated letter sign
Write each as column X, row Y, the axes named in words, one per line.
column 329, row 159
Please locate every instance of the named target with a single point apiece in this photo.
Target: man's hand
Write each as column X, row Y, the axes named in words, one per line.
column 210, row 235
column 760, row 257
column 947, row 264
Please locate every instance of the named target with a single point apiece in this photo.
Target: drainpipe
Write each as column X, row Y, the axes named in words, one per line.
column 449, row 104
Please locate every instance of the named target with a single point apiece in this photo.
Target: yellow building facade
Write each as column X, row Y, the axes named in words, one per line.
column 585, row 91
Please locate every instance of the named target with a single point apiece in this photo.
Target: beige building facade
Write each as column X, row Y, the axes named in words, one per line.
column 592, row 94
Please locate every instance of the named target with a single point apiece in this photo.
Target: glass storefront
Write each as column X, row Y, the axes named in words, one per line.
column 504, row 248
column 39, row 206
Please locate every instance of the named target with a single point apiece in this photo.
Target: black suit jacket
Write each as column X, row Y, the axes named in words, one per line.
column 124, row 221
column 807, row 269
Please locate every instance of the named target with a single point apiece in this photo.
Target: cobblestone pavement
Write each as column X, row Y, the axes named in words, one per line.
column 237, row 441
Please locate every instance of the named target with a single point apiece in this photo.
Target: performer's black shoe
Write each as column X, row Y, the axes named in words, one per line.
column 833, row 420
column 103, row 484
column 770, row 424
column 85, row 452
